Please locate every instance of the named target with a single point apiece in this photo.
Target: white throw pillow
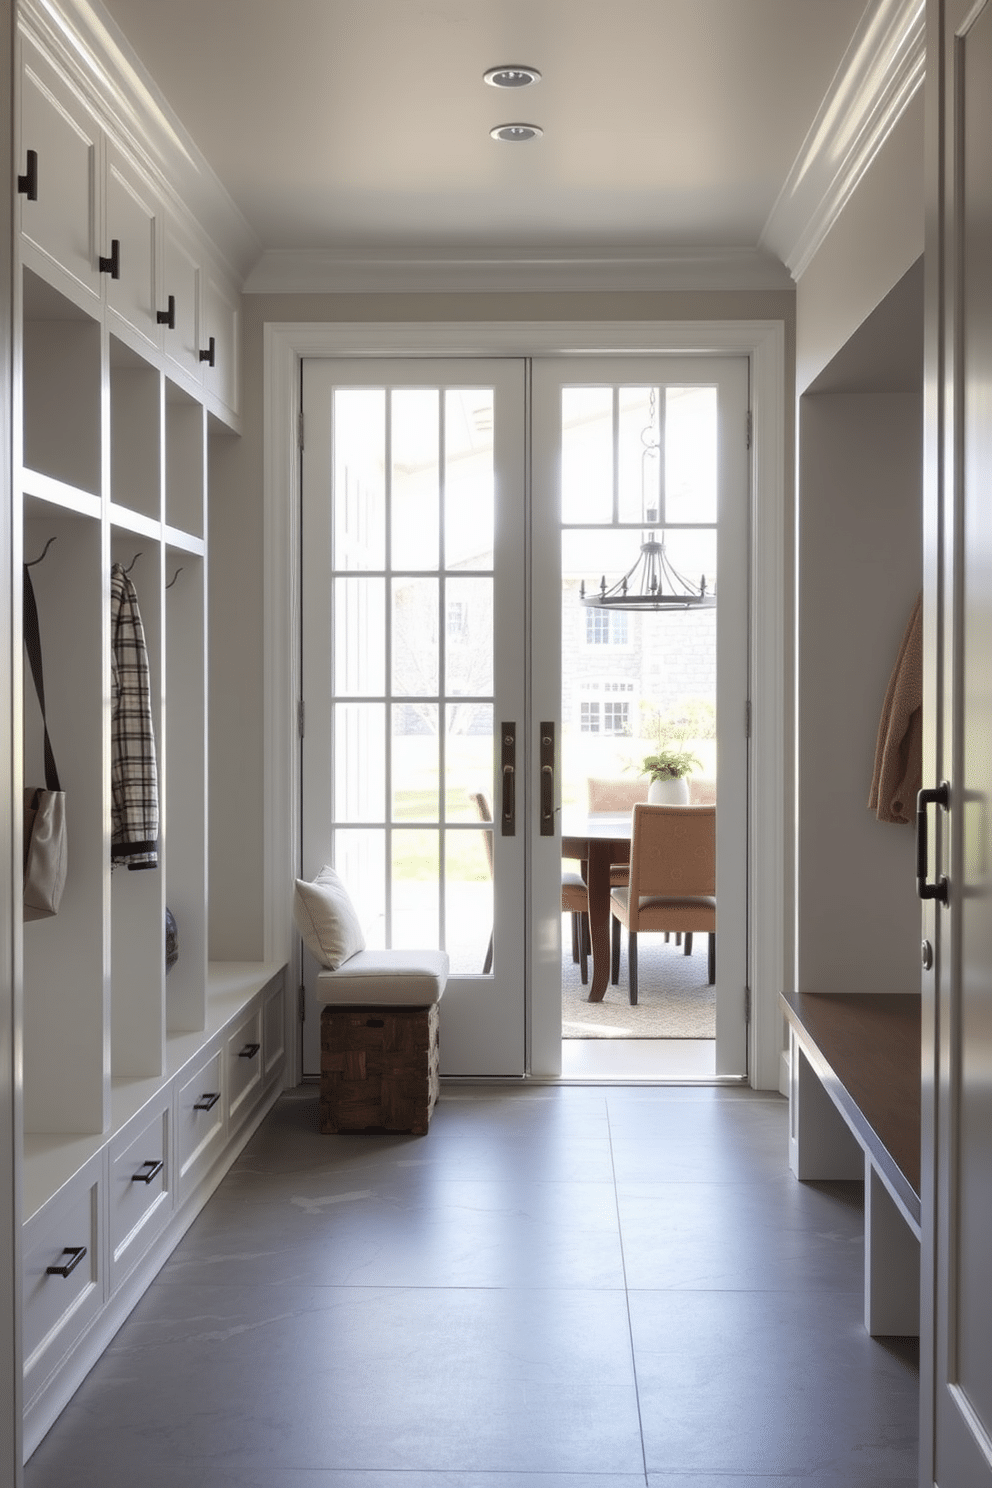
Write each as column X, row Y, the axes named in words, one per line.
column 326, row 918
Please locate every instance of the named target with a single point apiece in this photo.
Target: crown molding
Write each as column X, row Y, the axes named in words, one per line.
column 385, row 271
column 880, row 72
column 88, row 48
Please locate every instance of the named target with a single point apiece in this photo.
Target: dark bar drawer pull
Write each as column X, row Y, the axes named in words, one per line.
column 112, row 265
column 149, row 1169
column 207, row 1101
column 27, row 184
column 211, row 352
column 249, row 1051
column 168, row 317
column 76, row 1253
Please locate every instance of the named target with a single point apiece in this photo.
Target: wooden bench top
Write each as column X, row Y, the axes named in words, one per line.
column 865, row 1047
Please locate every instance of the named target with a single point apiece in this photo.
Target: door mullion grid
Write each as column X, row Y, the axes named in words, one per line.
column 616, row 455
column 387, row 814
column 442, row 637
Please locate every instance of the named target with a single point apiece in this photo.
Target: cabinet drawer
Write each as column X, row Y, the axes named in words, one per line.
column 64, row 1237
column 140, row 1191
column 244, row 1068
column 199, row 1123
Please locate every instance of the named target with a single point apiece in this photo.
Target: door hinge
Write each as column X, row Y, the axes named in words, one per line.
column 748, row 427
column 301, row 720
column 747, row 1004
column 747, row 719
column 299, row 428
column 303, row 1003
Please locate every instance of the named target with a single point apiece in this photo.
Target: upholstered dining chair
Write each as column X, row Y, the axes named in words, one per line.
column 574, row 898
column 616, row 797
column 672, row 881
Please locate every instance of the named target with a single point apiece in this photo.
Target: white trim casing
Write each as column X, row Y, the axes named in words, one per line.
column 523, row 270
column 878, row 77
column 285, row 344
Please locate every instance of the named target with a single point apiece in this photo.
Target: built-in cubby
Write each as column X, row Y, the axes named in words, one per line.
column 61, row 359
column 66, row 988
column 186, row 800
column 137, row 910
column 185, row 462
column 135, row 432
column 860, row 572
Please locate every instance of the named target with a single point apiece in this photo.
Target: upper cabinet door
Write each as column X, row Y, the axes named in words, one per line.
column 132, row 232
column 220, row 342
column 180, row 291
column 59, row 147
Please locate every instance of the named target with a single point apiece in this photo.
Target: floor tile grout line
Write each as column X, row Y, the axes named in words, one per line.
column 626, row 1298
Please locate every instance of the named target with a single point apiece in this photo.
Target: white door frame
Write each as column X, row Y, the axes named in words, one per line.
column 763, row 342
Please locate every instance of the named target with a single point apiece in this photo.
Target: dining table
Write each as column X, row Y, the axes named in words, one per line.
column 597, row 840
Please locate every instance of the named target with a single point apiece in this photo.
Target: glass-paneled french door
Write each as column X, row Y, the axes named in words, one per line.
column 414, row 672
column 445, row 507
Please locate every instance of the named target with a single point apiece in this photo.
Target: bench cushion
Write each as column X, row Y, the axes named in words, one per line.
column 386, row 979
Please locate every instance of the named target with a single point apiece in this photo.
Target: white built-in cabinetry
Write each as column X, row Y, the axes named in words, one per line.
column 139, row 1086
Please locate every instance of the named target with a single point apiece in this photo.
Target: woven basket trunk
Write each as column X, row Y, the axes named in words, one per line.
column 378, row 1069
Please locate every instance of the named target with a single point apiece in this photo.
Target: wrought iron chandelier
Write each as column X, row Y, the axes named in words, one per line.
column 652, row 582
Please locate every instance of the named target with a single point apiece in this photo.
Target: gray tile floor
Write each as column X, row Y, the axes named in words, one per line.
column 558, row 1287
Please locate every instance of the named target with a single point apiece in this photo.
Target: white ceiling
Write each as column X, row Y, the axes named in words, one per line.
column 350, row 124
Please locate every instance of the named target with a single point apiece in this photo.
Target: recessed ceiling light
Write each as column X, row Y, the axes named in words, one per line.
column 512, row 77
column 516, row 134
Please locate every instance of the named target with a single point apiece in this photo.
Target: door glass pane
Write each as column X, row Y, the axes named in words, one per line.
column 359, row 857
column 638, row 464
column 468, row 627
column 468, row 898
column 468, row 760
column 469, row 487
column 359, row 736
column 416, row 477
column 415, row 766
column 359, row 637
column 416, row 896
column 690, row 454
column 586, row 454
column 415, row 637
column 359, row 436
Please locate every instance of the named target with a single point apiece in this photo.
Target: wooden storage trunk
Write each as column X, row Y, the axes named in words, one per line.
column 378, row 1069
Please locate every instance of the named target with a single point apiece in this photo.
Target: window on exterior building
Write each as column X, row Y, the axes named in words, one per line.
column 589, row 718
column 606, row 628
column 457, row 619
column 616, row 718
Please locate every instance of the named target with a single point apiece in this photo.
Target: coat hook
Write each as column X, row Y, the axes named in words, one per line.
column 132, row 563
column 43, row 552
column 174, row 577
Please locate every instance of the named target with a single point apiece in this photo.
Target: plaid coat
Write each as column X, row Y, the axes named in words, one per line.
column 134, row 777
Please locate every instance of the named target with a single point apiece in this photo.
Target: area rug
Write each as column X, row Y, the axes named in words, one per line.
column 673, row 1000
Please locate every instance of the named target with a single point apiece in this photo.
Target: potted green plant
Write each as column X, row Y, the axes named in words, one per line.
column 667, row 769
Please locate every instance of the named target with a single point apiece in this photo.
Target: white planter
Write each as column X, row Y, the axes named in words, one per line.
column 669, row 792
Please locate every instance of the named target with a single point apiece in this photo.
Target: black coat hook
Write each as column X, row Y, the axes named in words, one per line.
column 174, row 577
column 42, row 554
column 132, row 563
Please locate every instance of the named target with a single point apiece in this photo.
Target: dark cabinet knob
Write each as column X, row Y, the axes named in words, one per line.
column 112, row 265
column 211, row 352
column 168, row 317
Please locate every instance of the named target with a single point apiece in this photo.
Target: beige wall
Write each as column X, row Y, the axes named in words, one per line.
column 236, row 556
column 876, row 239
column 860, row 570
